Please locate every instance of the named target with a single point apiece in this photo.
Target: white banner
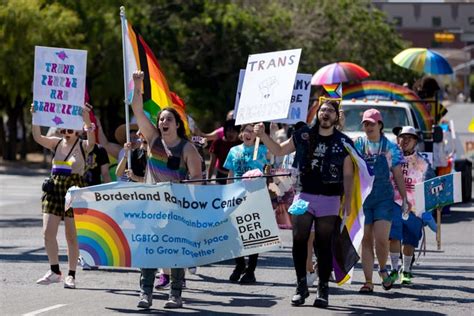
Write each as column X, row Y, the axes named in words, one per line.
column 59, row 87
column 268, row 86
column 173, row 225
column 299, row 99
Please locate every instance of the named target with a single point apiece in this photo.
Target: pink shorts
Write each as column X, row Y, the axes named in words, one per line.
column 321, row 205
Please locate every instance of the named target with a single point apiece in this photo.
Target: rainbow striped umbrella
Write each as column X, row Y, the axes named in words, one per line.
column 339, row 72
column 423, row 60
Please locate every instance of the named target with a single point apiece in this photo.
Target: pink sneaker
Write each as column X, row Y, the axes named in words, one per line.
column 163, row 282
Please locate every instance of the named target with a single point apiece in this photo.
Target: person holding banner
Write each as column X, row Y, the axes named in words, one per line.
column 68, row 167
column 326, row 173
column 171, row 157
column 383, row 157
column 408, row 228
column 240, row 160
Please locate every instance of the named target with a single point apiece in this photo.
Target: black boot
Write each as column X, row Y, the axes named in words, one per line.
column 248, row 278
column 301, row 293
column 235, row 276
column 322, row 299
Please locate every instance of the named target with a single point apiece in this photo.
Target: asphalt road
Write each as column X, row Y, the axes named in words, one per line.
column 443, row 283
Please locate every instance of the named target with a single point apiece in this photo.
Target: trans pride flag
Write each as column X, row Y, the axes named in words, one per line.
column 347, row 241
column 156, row 93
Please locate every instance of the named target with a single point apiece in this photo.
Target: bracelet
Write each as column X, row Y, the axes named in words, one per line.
column 91, row 128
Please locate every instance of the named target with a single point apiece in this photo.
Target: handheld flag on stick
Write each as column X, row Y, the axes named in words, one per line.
column 139, row 56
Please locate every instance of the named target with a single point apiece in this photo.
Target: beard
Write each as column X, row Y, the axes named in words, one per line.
column 327, row 123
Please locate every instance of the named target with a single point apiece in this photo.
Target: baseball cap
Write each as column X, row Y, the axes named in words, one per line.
column 372, row 115
column 408, row 130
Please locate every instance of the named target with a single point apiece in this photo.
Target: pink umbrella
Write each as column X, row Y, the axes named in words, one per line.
column 339, row 72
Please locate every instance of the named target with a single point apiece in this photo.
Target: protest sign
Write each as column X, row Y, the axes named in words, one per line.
column 172, row 225
column 268, row 86
column 299, row 99
column 59, row 87
column 438, row 192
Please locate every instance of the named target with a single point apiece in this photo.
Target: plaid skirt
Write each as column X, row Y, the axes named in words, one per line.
column 53, row 203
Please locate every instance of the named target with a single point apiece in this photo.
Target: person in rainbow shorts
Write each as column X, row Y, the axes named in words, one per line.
column 408, row 230
column 171, row 157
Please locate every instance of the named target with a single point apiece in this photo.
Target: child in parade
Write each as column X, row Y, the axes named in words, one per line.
column 383, row 157
column 408, row 230
column 239, row 161
column 68, row 167
column 171, row 157
column 326, row 172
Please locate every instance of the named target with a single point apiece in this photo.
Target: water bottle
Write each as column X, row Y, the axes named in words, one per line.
column 405, row 211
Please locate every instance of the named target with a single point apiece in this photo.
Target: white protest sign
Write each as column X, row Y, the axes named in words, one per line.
column 171, row 225
column 268, row 86
column 299, row 98
column 438, row 192
column 59, row 87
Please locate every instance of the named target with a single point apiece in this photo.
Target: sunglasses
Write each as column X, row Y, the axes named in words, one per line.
column 67, row 131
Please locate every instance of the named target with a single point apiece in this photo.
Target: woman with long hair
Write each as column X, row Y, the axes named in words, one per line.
column 171, row 157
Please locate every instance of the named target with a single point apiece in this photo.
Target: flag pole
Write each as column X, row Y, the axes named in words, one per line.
column 126, row 75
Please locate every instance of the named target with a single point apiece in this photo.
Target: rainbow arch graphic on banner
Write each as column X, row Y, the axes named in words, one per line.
column 391, row 91
column 101, row 239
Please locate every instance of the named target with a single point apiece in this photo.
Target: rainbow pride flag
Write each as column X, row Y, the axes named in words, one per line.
column 371, row 89
column 156, row 92
column 348, row 240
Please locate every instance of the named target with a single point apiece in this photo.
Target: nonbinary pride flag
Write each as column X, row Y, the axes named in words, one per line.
column 348, row 239
column 156, row 93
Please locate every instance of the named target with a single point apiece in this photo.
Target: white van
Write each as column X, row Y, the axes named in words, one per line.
column 394, row 114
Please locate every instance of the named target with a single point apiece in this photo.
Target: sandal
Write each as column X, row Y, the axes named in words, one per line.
column 367, row 288
column 387, row 281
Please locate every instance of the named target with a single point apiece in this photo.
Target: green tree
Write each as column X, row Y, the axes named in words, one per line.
column 24, row 24
column 200, row 44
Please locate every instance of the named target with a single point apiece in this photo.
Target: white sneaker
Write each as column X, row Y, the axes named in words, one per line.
column 49, row 277
column 311, row 278
column 192, row 270
column 69, row 282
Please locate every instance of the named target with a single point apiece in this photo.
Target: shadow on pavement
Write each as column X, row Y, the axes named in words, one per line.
column 370, row 310
column 161, row 311
column 21, row 223
column 29, row 257
column 398, row 293
column 457, row 216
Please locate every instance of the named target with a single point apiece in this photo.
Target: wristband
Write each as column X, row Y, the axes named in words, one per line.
column 90, row 129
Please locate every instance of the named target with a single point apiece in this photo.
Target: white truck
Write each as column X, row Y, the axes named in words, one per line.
column 394, row 114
